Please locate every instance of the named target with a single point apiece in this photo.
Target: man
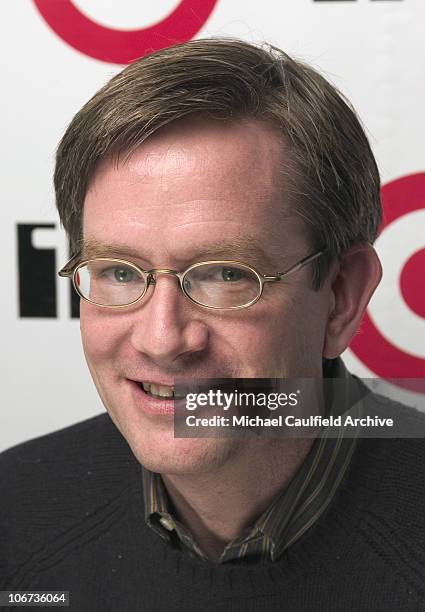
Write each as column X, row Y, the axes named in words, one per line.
column 215, row 151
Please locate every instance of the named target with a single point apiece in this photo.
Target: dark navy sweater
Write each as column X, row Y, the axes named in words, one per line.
column 71, row 518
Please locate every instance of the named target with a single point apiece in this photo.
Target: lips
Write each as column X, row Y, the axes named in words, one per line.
column 148, row 403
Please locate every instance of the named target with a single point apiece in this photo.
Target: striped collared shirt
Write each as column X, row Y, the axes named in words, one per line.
column 292, row 512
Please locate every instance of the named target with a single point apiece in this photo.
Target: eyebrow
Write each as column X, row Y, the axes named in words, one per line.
column 246, row 248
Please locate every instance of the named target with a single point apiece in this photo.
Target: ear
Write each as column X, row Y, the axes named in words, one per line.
column 358, row 274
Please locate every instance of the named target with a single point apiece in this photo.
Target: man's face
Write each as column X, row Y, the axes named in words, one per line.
column 197, row 191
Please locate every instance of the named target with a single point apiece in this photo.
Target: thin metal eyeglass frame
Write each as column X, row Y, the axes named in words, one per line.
column 71, row 268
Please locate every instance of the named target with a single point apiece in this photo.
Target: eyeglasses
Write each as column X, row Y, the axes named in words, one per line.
column 221, row 285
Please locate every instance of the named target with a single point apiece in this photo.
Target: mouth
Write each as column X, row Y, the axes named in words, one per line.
column 163, row 392
column 153, row 399
column 158, row 391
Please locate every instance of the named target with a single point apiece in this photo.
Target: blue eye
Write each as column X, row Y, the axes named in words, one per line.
column 123, row 275
column 231, row 274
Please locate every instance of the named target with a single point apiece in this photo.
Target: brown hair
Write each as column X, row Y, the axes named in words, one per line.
column 333, row 178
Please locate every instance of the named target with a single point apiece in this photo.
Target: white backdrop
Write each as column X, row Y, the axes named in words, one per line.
column 373, row 50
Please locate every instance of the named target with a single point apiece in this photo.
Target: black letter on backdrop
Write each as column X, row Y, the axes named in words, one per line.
column 75, row 302
column 37, row 274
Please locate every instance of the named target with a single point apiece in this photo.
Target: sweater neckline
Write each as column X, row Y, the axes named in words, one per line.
column 315, row 547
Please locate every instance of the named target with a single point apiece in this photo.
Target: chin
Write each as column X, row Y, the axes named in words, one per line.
column 165, row 454
column 154, row 446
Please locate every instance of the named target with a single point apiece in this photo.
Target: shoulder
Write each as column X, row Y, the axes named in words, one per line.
column 386, row 490
column 393, row 468
column 66, row 450
column 385, row 485
column 395, row 455
column 407, row 422
column 66, row 457
column 56, row 482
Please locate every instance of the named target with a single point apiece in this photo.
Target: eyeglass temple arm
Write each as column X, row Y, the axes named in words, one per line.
column 302, row 263
column 305, row 261
column 68, row 268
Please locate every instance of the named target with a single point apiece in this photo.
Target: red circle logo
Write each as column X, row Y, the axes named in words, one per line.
column 376, row 350
column 412, row 283
column 122, row 46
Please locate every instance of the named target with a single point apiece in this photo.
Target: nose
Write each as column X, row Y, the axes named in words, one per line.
column 168, row 326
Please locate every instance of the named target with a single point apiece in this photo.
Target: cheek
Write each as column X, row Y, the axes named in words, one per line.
column 100, row 333
column 254, row 341
column 281, row 337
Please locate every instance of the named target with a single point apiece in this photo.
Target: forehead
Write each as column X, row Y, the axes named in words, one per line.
column 192, row 183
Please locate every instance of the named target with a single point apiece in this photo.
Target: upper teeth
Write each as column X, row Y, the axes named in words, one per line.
column 159, row 390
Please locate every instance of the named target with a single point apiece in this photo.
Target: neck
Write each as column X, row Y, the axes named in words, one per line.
column 218, row 506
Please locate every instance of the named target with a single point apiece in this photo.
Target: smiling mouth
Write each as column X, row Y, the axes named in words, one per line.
column 160, row 391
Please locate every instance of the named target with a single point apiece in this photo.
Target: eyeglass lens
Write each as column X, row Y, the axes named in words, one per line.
column 112, row 283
